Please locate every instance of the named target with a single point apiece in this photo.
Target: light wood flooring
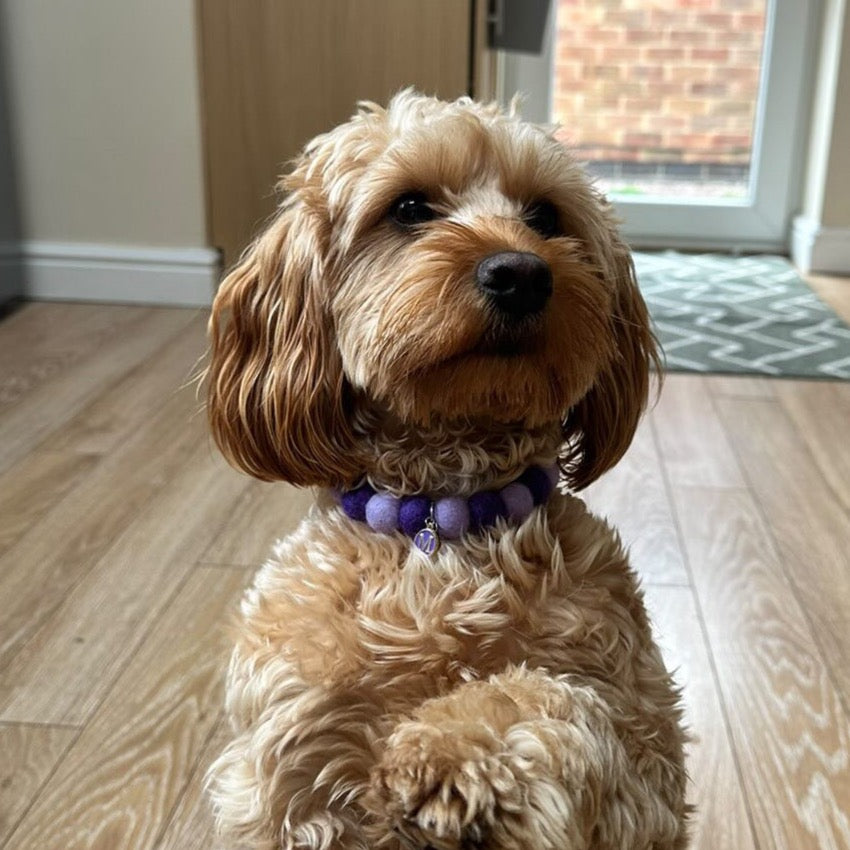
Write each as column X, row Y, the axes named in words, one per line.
column 125, row 540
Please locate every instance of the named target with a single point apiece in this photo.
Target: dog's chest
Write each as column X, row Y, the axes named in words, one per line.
column 360, row 608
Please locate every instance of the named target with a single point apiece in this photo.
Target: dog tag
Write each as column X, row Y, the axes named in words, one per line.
column 427, row 540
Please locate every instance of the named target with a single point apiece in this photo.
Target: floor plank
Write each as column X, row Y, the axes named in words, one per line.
column 120, row 781
column 747, row 386
column 721, row 819
column 632, row 497
column 265, row 513
column 115, row 413
column 28, row 755
column 68, row 665
column 788, row 724
column 55, row 401
column 696, row 450
column 41, row 340
column 30, row 487
column 809, row 524
column 191, row 825
column 60, row 548
column 820, row 411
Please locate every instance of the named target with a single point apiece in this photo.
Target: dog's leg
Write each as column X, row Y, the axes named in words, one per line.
column 287, row 782
column 522, row 761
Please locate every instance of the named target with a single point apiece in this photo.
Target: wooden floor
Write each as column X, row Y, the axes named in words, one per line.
column 124, row 540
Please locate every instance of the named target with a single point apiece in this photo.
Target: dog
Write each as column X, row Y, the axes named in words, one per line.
column 440, row 330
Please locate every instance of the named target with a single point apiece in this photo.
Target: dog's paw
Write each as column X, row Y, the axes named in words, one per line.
column 445, row 788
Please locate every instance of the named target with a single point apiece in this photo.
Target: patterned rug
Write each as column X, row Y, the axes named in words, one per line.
column 749, row 315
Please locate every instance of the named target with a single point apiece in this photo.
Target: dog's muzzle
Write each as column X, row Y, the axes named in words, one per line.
column 517, row 283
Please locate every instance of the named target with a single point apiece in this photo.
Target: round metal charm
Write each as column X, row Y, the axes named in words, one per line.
column 427, row 541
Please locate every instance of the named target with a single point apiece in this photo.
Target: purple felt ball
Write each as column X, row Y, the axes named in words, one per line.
column 382, row 512
column 413, row 513
column 554, row 473
column 538, row 482
column 518, row 501
column 484, row 509
column 452, row 515
column 354, row 502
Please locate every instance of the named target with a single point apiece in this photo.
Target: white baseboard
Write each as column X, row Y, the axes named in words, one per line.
column 125, row 274
column 11, row 285
column 815, row 248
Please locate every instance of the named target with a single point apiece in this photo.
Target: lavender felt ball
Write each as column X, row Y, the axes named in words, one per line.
column 413, row 513
column 518, row 501
column 382, row 512
column 484, row 509
column 354, row 502
column 452, row 515
column 538, row 482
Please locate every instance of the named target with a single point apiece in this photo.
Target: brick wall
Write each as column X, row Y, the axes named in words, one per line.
column 668, row 81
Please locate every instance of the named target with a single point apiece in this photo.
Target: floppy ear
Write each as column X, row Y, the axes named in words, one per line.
column 600, row 427
column 276, row 395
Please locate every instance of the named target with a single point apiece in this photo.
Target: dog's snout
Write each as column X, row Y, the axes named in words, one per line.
column 516, row 282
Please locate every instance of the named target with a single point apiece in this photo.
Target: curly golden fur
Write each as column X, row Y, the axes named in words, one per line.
column 506, row 694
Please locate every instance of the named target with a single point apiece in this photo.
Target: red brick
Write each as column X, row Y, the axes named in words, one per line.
column 602, row 72
column 732, row 108
column 738, row 141
column 749, row 22
column 623, row 87
column 687, row 73
column 663, row 54
column 622, row 54
column 743, row 56
column 641, row 36
column 708, row 89
column 689, row 37
column 651, row 73
column 688, row 106
column 716, row 20
column 574, row 53
column 628, row 18
column 746, row 76
column 643, row 139
column 666, row 18
column 710, row 54
column 641, row 104
column 744, row 38
column 600, row 36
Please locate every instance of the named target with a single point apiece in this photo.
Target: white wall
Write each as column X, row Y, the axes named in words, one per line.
column 104, row 106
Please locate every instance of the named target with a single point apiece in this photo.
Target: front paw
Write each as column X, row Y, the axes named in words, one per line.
column 444, row 788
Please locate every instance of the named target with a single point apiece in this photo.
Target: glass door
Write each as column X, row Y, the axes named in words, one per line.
column 690, row 114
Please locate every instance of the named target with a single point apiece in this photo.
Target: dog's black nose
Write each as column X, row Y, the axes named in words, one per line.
column 516, row 282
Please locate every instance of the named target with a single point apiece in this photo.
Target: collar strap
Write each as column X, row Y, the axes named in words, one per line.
column 426, row 520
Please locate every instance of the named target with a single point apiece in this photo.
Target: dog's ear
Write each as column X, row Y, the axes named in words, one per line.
column 276, row 391
column 600, row 427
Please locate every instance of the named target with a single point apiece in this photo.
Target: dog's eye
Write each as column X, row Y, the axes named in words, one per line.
column 543, row 218
column 411, row 209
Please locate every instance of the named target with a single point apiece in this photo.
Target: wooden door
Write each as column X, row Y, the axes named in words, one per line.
column 277, row 72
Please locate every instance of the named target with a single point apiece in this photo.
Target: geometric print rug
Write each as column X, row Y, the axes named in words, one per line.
column 751, row 315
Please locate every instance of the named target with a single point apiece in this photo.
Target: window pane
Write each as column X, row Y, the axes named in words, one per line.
column 659, row 96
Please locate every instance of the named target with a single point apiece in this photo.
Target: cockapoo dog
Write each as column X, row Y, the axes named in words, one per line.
column 448, row 652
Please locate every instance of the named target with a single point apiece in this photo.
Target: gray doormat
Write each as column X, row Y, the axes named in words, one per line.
column 747, row 315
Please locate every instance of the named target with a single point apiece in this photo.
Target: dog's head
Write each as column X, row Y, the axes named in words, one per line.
column 440, row 261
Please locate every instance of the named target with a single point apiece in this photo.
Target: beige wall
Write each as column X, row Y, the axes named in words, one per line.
column 104, row 105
